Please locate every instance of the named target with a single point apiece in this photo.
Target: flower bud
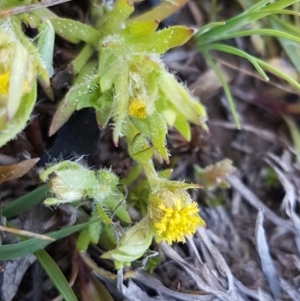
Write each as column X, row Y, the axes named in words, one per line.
column 137, row 109
column 132, row 245
column 63, row 192
column 72, row 182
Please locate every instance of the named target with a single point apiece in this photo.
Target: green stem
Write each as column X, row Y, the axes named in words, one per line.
column 80, row 61
column 150, row 173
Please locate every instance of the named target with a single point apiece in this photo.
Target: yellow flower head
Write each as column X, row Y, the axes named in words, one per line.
column 4, row 80
column 137, row 109
column 174, row 215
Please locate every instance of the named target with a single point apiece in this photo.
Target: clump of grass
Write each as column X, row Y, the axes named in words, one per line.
column 213, row 36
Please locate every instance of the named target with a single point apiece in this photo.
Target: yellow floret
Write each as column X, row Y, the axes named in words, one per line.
column 137, row 109
column 4, row 80
column 177, row 222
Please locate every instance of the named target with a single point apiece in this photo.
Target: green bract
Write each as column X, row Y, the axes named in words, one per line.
column 132, row 245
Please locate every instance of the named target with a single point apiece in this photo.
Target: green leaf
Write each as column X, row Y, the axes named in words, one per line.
column 117, row 16
column 17, row 124
column 139, row 150
column 160, row 12
column 74, row 31
column 121, row 101
column 25, row 202
column 163, row 40
column 83, row 240
column 117, row 202
column 183, row 127
column 17, row 29
column 8, row 252
column 140, row 28
column 56, row 275
column 180, row 98
column 158, row 130
column 82, row 94
column 109, row 71
column 82, row 58
column 63, row 112
column 104, row 108
column 45, row 44
column 95, row 228
column 85, row 94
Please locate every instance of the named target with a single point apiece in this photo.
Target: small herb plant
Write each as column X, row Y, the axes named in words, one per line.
column 130, row 85
column 120, row 73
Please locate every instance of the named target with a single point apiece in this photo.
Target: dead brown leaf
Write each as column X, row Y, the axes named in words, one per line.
column 15, row 171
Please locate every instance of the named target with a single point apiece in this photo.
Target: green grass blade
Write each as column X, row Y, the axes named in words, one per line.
column 280, row 4
column 262, row 64
column 256, row 7
column 291, row 50
column 294, row 132
column 282, row 12
column 209, row 26
column 278, row 73
column 238, row 52
column 225, row 87
column 221, row 32
column 265, row 32
column 25, row 202
column 56, row 275
column 160, row 12
column 32, row 245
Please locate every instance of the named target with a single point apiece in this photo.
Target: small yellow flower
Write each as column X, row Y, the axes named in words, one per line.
column 174, row 216
column 4, row 80
column 137, row 109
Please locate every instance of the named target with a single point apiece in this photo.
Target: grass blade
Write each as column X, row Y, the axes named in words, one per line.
column 278, row 73
column 258, row 6
column 253, row 14
column 265, row 32
column 32, row 245
column 238, row 52
column 225, row 87
column 291, row 50
column 25, row 202
column 294, row 132
column 209, row 26
column 262, row 64
column 56, row 275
